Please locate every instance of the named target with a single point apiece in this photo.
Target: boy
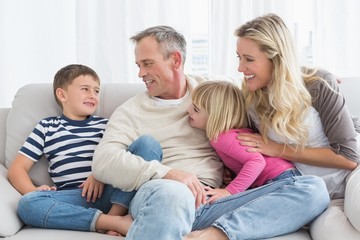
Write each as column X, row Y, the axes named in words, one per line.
column 78, row 200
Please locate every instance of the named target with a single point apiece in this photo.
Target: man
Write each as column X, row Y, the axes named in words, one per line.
column 173, row 203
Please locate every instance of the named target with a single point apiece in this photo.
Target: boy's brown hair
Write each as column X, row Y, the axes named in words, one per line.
column 67, row 74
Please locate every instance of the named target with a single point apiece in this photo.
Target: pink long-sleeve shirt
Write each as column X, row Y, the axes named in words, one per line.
column 252, row 169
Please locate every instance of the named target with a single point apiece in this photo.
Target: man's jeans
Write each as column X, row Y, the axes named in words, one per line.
column 165, row 209
column 66, row 209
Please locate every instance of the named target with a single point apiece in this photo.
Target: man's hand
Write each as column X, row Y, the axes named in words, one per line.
column 193, row 183
column 92, row 189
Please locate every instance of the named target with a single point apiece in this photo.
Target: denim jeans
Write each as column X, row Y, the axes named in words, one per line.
column 165, row 209
column 66, row 209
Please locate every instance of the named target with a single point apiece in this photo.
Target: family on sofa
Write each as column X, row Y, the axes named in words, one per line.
column 103, row 183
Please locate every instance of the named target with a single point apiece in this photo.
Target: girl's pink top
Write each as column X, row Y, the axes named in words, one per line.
column 252, row 169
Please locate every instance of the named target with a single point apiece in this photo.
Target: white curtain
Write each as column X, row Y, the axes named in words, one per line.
column 326, row 32
column 38, row 37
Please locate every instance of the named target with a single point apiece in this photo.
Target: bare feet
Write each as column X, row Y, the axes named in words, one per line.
column 114, row 225
column 112, row 233
column 210, row 233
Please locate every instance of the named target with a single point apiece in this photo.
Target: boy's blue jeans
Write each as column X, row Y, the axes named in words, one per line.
column 66, row 209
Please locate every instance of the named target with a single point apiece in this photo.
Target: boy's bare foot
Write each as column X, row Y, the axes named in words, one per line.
column 112, row 233
column 210, row 233
column 114, row 225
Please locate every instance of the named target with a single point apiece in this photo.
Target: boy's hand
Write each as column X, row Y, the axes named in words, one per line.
column 215, row 194
column 45, row 188
column 92, row 189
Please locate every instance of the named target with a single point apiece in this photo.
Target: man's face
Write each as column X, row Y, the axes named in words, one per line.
column 156, row 71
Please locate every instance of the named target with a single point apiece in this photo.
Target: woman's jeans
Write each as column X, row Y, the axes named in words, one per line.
column 165, row 209
column 67, row 209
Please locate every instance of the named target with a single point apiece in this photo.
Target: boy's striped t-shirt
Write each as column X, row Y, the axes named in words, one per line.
column 68, row 145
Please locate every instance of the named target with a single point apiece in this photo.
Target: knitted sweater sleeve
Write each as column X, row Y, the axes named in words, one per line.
column 112, row 163
column 336, row 119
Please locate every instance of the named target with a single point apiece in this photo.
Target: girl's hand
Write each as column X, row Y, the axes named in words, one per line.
column 256, row 144
column 92, row 189
column 216, row 194
column 45, row 188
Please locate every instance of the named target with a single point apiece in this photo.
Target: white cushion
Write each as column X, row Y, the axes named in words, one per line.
column 9, row 221
column 333, row 224
column 352, row 198
column 31, row 103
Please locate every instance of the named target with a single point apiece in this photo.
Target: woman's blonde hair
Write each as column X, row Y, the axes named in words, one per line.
column 283, row 104
column 224, row 104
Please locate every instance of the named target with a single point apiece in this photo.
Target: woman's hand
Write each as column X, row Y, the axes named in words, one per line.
column 92, row 189
column 256, row 144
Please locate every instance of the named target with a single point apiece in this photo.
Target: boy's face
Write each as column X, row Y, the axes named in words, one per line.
column 197, row 117
column 81, row 98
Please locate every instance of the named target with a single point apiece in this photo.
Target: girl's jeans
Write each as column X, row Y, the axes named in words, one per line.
column 165, row 209
column 66, row 209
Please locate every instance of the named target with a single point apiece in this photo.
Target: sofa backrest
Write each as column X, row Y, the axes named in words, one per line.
column 36, row 101
column 350, row 88
column 3, row 116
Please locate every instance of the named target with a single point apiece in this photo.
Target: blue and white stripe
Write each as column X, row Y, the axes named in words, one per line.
column 68, row 145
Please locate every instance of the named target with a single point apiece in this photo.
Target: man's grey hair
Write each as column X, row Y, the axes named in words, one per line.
column 168, row 38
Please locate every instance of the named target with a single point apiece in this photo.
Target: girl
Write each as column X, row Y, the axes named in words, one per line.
column 219, row 109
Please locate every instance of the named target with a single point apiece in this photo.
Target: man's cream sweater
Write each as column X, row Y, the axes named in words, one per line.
column 184, row 148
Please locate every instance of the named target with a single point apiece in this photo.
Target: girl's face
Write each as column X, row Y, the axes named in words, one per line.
column 257, row 68
column 197, row 117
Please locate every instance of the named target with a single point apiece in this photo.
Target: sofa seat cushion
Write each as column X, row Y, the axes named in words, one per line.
column 31, row 233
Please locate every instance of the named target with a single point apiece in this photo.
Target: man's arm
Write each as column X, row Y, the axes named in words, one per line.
column 113, row 164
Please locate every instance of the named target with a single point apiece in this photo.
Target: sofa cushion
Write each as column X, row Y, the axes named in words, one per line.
column 333, row 224
column 352, row 200
column 31, row 103
column 9, row 221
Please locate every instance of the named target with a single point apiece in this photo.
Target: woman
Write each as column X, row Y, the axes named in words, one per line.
column 299, row 113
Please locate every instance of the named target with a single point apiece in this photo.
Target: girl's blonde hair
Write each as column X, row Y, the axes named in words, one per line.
column 283, row 104
column 224, row 104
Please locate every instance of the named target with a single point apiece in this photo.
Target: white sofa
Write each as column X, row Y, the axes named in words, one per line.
column 35, row 101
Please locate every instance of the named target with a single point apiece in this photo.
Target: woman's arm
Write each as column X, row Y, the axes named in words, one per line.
column 336, row 119
column 337, row 124
column 322, row 157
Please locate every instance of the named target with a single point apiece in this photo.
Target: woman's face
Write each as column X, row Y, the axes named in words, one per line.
column 257, row 68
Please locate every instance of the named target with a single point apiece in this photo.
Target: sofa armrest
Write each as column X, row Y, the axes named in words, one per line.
column 352, row 198
column 3, row 116
column 10, row 222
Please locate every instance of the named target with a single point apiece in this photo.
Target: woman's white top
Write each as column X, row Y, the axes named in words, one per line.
column 333, row 177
